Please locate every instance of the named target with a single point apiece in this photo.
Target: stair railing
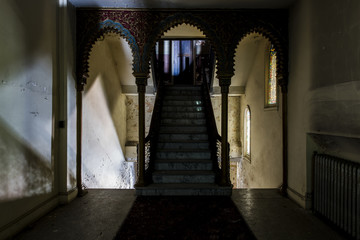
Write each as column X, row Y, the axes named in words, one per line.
column 151, row 139
column 215, row 139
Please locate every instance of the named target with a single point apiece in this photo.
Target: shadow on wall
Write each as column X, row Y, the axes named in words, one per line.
column 104, row 117
column 106, row 63
column 28, row 55
column 26, row 173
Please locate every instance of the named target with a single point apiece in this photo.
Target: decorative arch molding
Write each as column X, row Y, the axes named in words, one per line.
column 142, row 28
column 103, row 28
column 281, row 47
column 175, row 20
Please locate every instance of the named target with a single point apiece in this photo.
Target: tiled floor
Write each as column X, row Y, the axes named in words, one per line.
column 100, row 213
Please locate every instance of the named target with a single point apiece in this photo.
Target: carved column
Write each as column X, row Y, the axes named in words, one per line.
column 79, row 91
column 224, row 81
column 284, row 90
column 141, row 82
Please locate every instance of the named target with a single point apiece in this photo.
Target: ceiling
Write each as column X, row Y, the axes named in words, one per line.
column 188, row 4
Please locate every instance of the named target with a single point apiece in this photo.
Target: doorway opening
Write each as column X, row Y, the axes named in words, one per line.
column 183, row 62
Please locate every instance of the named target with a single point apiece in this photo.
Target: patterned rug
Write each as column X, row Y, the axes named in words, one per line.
column 184, row 218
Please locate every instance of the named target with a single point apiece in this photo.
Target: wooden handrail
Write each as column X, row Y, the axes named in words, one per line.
column 214, row 136
column 152, row 137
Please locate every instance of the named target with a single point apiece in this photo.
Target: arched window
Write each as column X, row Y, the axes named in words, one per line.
column 270, row 80
column 247, row 132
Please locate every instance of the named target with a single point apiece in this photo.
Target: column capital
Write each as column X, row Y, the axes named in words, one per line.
column 140, row 75
column 224, row 81
column 141, row 83
column 141, row 79
column 80, row 86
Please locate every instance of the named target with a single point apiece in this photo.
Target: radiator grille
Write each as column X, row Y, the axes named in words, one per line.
column 337, row 192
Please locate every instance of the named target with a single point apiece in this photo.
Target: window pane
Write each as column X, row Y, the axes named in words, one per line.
column 247, row 131
column 271, row 94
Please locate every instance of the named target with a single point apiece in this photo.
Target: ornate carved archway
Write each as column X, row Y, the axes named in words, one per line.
column 224, row 28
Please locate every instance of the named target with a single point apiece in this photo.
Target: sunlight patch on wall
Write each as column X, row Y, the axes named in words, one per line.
column 104, row 165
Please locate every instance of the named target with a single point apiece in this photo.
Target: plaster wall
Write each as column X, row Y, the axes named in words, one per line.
column 324, row 86
column 132, row 116
column 70, row 71
column 233, row 122
column 104, row 118
column 27, row 71
column 264, row 168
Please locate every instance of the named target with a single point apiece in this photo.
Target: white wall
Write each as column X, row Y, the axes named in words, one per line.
column 264, row 169
column 324, row 86
column 27, row 68
column 104, row 117
column 71, row 96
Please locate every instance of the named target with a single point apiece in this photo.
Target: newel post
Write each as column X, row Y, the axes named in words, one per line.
column 224, row 82
column 141, row 82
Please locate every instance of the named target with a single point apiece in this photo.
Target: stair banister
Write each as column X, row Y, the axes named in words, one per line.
column 217, row 143
column 150, row 141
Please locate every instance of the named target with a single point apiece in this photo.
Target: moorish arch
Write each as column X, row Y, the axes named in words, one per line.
column 142, row 28
column 281, row 46
column 103, row 28
column 276, row 35
column 175, row 20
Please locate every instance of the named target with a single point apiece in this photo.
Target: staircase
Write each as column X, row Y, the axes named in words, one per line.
column 183, row 164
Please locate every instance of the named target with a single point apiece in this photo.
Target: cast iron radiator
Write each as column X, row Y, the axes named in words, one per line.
column 337, row 192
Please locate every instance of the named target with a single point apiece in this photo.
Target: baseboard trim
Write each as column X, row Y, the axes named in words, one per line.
column 304, row 201
column 29, row 217
column 67, row 197
column 36, row 212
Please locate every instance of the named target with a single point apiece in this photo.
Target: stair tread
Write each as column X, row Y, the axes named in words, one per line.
column 188, row 125
column 183, row 131
column 183, row 172
column 172, row 160
column 185, row 185
column 182, row 150
column 183, row 141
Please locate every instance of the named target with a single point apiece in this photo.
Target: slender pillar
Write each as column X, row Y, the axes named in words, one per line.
column 284, row 138
column 79, row 91
column 141, row 82
column 225, row 82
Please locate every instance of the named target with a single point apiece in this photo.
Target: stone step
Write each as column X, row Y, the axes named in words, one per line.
column 182, row 103
column 183, row 177
column 183, row 145
column 183, row 190
column 182, row 88
column 183, row 97
column 182, row 109
column 179, row 121
column 188, row 115
column 183, row 164
column 183, row 129
column 183, row 154
column 182, row 91
column 182, row 137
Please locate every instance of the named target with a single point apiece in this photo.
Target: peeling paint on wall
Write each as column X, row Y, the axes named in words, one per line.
column 132, row 109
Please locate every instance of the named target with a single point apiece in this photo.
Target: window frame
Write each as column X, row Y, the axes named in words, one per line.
column 247, row 132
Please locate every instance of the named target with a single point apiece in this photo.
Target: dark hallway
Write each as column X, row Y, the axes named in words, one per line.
column 100, row 213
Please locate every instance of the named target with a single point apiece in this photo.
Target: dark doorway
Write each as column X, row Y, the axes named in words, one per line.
column 183, row 61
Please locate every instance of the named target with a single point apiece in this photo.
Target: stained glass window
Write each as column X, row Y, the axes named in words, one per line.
column 247, row 124
column 271, row 96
